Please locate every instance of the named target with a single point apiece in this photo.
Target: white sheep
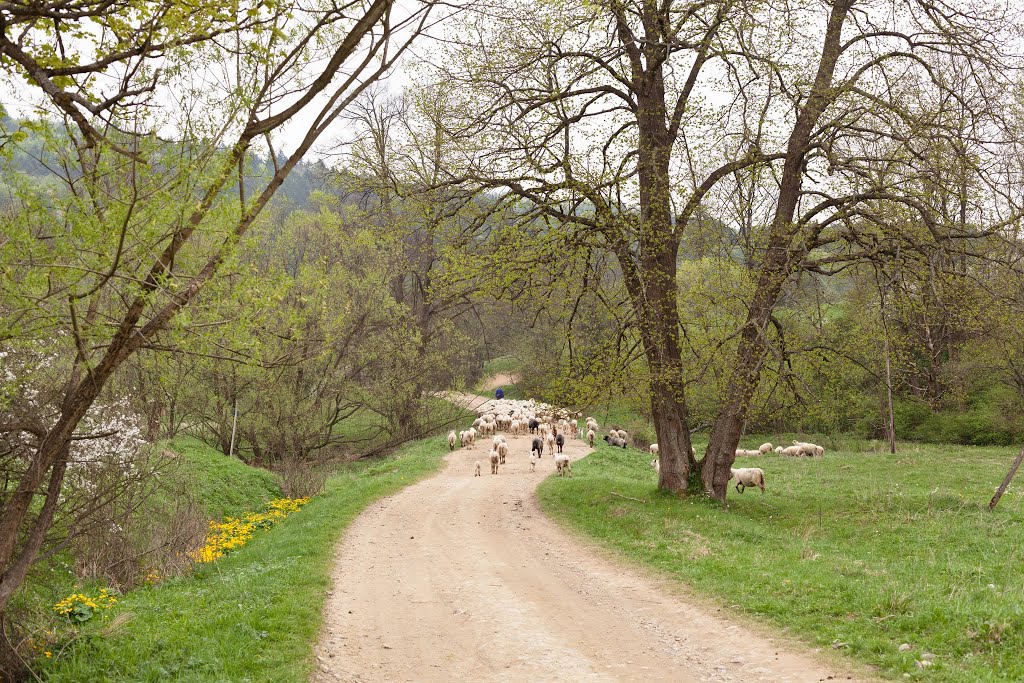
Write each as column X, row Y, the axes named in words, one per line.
column 656, row 465
column 744, row 453
column 654, row 449
column 477, row 469
column 502, row 451
column 452, row 439
column 562, row 464
column 533, row 460
column 765, row 448
column 494, row 462
column 624, row 435
column 790, row 450
column 810, row 450
column 549, row 443
column 613, row 433
column 590, row 437
column 747, row 476
column 466, row 439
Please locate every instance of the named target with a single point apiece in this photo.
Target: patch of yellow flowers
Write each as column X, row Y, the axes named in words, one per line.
column 233, row 532
column 81, row 607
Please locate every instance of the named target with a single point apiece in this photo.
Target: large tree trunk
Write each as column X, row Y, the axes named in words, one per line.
column 778, row 263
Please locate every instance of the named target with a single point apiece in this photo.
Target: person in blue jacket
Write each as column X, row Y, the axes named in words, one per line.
column 499, row 393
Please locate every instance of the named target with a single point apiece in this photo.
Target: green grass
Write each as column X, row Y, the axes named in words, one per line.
column 502, row 364
column 251, row 616
column 860, row 550
column 223, row 485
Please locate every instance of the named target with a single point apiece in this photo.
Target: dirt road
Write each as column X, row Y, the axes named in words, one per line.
column 462, row 578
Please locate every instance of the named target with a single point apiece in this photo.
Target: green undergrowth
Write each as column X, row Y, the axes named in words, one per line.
column 251, row 616
column 223, row 485
column 857, row 551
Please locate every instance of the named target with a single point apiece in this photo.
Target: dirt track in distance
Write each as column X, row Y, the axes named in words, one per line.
column 462, row 578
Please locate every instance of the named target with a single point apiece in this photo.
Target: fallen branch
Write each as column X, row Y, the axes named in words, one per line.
column 629, row 498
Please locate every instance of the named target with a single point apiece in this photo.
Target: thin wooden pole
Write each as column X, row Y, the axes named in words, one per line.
column 1006, row 482
column 888, row 388
column 234, row 424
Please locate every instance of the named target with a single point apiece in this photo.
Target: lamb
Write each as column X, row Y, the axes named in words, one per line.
column 494, row 462
column 559, row 441
column 656, row 464
column 746, row 477
column 477, row 468
column 654, row 449
column 549, row 443
column 618, row 443
column 590, row 437
column 502, row 451
column 533, row 460
column 451, row 440
column 537, row 447
column 744, row 453
column 495, row 441
column 765, row 448
column 562, row 464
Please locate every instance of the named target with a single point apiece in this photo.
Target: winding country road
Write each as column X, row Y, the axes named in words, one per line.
column 462, row 578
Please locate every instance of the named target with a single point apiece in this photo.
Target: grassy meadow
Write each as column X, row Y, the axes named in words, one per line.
column 857, row 551
column 253, row 615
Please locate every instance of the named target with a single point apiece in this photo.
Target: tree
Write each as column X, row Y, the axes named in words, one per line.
column 624, row 123
column 142, row 225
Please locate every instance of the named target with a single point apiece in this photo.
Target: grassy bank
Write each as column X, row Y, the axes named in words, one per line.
column 251, row 616
column 859, row 551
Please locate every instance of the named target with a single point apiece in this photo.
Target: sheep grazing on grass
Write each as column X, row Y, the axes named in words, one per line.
column 549, row 443
column 654, row 449
column 624, row 435
column 590, row 437
column 559, row 441
column 502, row 451
column 656, row 465
column 452, row 440
column 562, row 464
column 494, row 462
column 746, row 477
column 744, row 453
column 614, row 433
column 811, row 450
column 533, row 460
column 765, row 448
column 790, row 450
column 477, row 469
column 618, row 443
column 537, row 446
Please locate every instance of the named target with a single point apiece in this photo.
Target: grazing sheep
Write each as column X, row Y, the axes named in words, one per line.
column 533, row 460
column 494, row 462
column 656, row 464
column 562, row 464
column 559, row 441
column 614, row 433
column 746, row 477
column 765, row 448
column 502, row 451
column 744, row 453
column 654, row 449
column 590, row 437
column 477, row 470
column 810, row 450
column 537, row 446
column 624, row 435
column 452, row 439
column 618, row 443
column 790, row 450
column 549, row 443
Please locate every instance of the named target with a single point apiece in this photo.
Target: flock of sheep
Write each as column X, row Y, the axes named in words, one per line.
column 550, row 426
